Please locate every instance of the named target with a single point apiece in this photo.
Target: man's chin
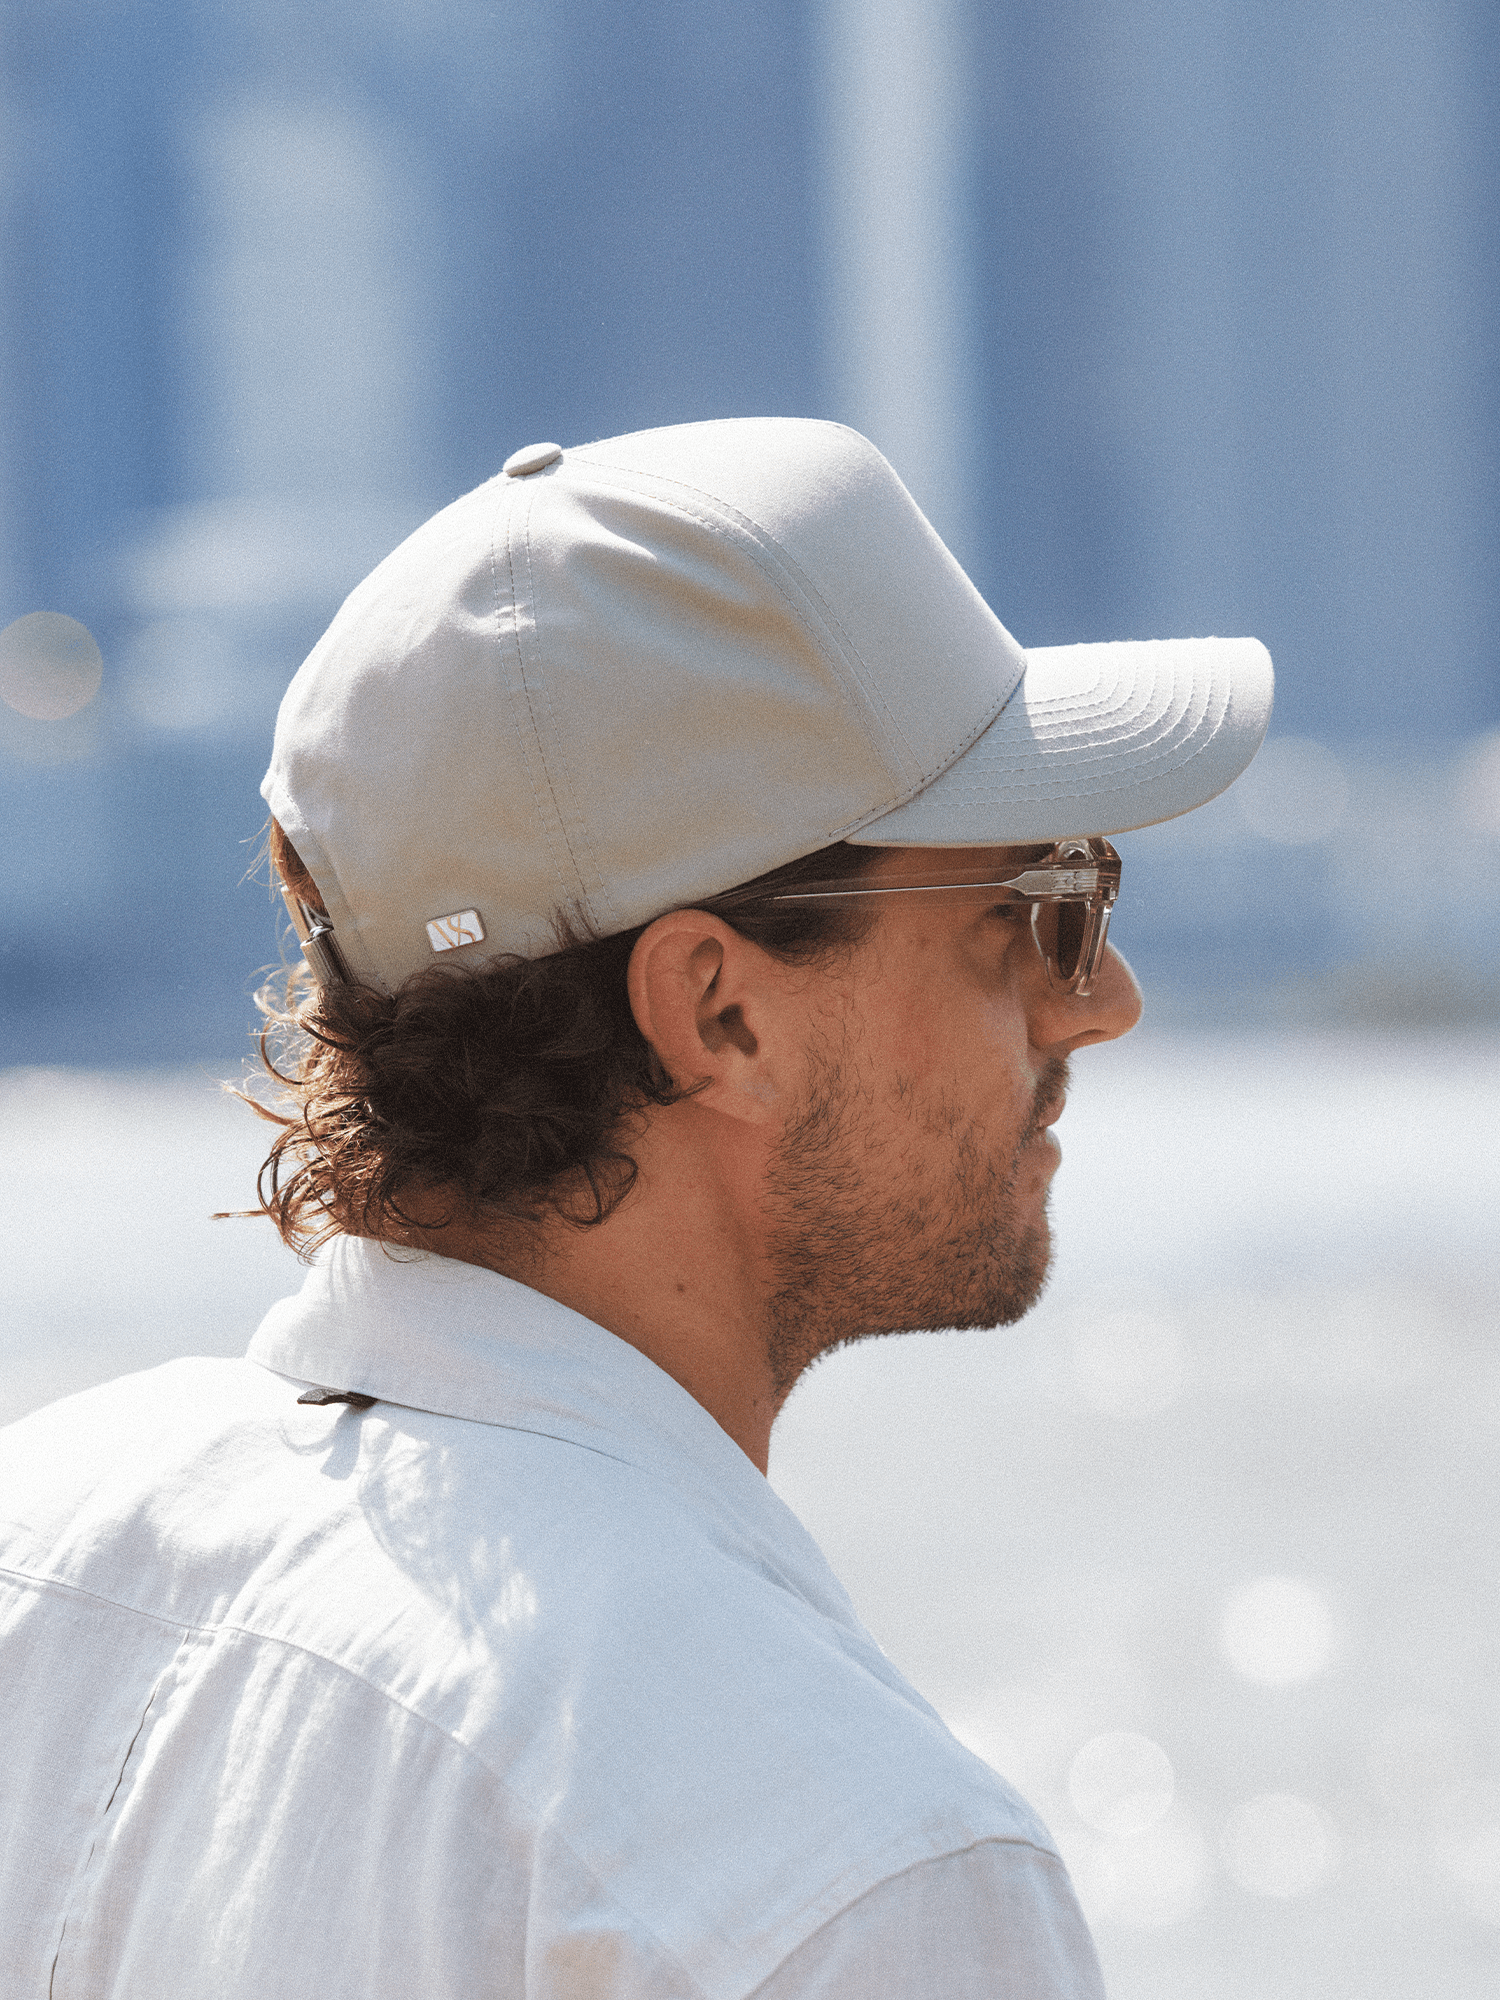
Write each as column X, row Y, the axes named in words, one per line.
column 999, row 1297
column 1023, row 1282
column 991, row 1276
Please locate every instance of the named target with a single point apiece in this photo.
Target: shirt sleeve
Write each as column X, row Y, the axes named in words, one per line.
column 997, row 1921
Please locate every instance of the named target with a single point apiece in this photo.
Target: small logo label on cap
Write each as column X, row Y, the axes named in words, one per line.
column 448, row 933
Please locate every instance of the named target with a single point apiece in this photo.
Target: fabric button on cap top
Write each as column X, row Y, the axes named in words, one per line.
column 531, row 458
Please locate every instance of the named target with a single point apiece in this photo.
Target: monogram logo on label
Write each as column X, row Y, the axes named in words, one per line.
column 448, row 933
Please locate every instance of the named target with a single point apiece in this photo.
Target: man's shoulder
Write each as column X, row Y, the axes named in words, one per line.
column 640, row 1678
column 80, row 1473
column 203, row 1494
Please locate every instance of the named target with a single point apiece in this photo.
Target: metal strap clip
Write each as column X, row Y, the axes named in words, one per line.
column 355, row 1398
column 315, row 934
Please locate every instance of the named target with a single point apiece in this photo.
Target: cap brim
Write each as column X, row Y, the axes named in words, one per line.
column 1095, row 740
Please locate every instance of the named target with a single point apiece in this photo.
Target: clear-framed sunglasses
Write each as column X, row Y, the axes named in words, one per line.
column 1071, row 888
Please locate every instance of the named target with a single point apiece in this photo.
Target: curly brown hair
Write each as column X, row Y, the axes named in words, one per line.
column 494, row 1093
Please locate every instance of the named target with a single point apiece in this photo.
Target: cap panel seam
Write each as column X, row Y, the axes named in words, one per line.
column 533, row 754
column 579, row 824
column 526, row 687
column 945, row 758
column 846, row 653
column 763, row 545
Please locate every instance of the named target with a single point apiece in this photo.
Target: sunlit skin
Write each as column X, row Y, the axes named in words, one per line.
column 948, row 1040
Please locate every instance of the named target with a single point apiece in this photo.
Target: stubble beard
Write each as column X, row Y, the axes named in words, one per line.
column 855, row 1256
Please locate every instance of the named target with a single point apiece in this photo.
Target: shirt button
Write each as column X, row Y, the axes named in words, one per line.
column 531, row 458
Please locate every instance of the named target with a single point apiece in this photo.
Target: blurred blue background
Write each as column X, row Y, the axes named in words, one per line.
column 1177, row 318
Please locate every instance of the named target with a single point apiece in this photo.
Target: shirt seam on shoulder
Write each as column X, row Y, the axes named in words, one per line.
column 922, row 1861
column 190, row 1629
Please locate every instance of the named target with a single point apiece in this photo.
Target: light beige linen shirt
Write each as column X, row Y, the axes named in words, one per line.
column 521, row 1682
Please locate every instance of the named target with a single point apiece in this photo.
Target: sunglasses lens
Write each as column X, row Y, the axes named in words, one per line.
column 1063, row 930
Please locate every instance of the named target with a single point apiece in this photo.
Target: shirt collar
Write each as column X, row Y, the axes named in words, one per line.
column 428, row 1333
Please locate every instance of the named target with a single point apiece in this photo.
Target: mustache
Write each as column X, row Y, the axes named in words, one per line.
column 1050, row 1092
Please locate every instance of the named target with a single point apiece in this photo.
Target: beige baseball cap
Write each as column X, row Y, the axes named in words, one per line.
column 621, row 677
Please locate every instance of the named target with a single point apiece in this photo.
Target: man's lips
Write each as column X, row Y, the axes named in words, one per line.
column 1051, row 1099
column 1041, row 1135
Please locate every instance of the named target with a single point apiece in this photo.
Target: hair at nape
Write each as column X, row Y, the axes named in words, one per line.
column 491, row 1093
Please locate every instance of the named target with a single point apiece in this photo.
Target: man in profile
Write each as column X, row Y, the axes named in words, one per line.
column 702, row 896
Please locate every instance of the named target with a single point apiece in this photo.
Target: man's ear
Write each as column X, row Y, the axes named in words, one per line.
column 713, row 1006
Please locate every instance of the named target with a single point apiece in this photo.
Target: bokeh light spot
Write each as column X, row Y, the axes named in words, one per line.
column 1121, row 1783
column 1278, row 1845
column 50, row 666
column 1295, row 792
column 1277, row 1630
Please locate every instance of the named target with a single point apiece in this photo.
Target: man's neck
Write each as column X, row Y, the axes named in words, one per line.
column 674, row 1270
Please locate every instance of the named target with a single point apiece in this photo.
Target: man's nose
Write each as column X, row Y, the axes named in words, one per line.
column 1060, row 1022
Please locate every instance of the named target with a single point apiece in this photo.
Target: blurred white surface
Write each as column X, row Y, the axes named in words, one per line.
column 107, row 1184
column 1201, row 1555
